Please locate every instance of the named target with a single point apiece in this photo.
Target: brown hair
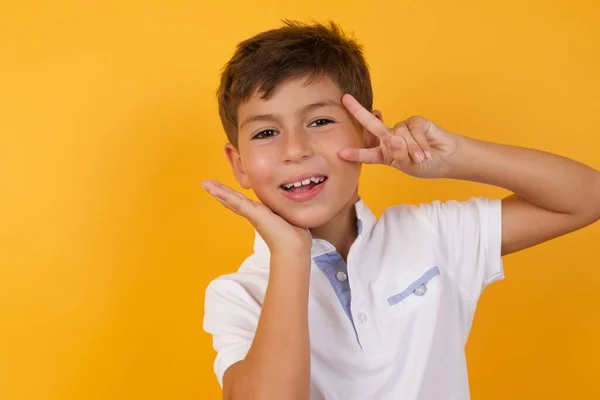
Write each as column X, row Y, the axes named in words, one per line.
column 295, row 50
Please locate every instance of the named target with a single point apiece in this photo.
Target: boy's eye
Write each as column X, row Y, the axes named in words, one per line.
column 321, row 122
column 267, row 133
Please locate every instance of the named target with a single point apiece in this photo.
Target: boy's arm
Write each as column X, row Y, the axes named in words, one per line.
column 553, row 195
column 278, row 363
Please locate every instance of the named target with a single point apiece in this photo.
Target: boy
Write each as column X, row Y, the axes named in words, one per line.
column 335, row 303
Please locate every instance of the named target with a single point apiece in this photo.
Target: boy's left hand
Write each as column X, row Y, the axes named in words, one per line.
column 416, row 146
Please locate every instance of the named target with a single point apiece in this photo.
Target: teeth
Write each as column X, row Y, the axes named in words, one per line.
column 313, row 179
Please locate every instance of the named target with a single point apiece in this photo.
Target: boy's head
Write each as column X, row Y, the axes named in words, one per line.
column 280, row 104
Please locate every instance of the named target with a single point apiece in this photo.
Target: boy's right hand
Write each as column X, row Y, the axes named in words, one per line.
column 281, row 236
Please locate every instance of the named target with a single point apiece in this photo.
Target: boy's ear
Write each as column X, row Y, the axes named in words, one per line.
column 371, row 140
column 377, row 114
column 235, row 161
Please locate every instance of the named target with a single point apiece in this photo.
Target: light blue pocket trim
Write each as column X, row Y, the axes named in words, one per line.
column 427, row 276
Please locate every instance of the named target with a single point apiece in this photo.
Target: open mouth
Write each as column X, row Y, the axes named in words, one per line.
column 304, row 185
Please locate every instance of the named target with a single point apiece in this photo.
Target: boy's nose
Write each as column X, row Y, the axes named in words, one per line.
column 297, row 147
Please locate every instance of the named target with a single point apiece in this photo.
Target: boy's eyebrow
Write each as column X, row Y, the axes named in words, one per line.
column 319, row 104
column 308, row 107
column 260, row 117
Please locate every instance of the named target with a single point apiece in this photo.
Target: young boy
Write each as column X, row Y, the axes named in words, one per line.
column 335, row 303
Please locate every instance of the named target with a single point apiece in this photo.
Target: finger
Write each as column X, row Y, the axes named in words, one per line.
column 367, row 156
column 231, row 199
column 226, row 205
column 413, row 148
column 366, row 119
column 399, row 150
column 418, row 127
column 228, row 190
column 222, row 193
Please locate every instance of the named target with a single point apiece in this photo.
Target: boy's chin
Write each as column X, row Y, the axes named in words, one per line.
column 306, row 220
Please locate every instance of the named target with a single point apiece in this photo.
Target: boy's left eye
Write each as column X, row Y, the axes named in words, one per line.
column 321, row 122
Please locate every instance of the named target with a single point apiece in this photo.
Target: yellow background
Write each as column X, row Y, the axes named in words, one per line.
column 108, row 124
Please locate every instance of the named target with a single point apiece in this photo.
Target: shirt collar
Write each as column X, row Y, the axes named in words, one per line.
column 365, row 221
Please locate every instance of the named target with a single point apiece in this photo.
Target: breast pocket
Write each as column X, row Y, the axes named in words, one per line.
column 413, row 291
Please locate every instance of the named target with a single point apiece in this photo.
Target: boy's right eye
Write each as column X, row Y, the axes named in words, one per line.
column 267, row 133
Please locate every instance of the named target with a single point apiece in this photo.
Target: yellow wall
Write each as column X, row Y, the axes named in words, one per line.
column 108, row 124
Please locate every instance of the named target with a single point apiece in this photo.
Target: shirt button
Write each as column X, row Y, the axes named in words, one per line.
column 341, row 276
column 313, row 248
column 362, row 317
column 420, row 291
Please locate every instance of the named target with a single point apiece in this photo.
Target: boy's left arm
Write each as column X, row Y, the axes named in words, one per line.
column 552, row 196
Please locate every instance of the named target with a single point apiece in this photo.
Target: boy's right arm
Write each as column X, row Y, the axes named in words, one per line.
column 277, row 365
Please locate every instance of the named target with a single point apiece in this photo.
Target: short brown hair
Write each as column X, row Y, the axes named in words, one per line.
column 295, row 50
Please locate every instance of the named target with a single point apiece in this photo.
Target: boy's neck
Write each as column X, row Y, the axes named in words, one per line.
column 341, row 231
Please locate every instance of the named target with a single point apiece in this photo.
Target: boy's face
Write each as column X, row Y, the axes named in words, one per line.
column 288, row 151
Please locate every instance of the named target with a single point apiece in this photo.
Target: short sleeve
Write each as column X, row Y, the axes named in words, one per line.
column 231, row 317
column 470, row 238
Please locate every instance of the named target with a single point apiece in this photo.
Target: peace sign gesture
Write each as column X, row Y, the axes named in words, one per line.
column 415, row 146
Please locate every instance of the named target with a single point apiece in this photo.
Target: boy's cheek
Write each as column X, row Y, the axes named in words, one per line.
column 340, row 142
column 261, row 181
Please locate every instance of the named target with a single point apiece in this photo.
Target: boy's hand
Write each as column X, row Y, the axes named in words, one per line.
column 416, row 146
column 281, row 236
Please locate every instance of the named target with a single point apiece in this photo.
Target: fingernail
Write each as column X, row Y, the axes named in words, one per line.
column 428, row 155
column 419, row 157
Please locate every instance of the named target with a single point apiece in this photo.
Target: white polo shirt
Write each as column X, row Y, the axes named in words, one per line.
column 393, row 322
